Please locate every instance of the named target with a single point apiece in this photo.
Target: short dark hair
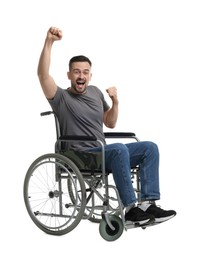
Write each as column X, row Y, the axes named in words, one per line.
column 79, row 58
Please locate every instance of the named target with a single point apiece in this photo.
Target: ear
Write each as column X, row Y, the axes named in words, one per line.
column 69, row 75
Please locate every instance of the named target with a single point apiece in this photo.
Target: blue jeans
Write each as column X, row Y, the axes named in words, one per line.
column 119, row 158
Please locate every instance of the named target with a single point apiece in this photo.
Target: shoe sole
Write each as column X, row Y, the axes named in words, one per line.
column 140, row 223
column 146, row 223
column 160, row 220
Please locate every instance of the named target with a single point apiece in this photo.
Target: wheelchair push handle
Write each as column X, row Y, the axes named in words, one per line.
column 47, row 113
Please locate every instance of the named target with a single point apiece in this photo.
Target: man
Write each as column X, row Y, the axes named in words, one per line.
column 82, row 110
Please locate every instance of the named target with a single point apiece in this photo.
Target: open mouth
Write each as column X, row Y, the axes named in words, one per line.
column 80, row 84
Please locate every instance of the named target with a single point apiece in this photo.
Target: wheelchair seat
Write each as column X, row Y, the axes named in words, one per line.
column 85, row 161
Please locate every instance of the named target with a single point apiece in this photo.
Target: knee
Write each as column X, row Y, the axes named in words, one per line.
column 117, row 154
column 152, row 147
column 120, row 149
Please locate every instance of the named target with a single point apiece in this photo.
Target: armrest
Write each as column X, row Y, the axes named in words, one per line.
column 77, row 138
column 119, row 134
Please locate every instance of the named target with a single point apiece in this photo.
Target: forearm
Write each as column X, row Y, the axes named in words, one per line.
column 111, row 115
column 44, row 61
column 47, row 82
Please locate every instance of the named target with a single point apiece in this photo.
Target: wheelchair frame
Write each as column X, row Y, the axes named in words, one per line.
column 58, row 195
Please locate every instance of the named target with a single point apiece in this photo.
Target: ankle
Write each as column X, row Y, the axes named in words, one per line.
column 144, row 205
column 127, row 209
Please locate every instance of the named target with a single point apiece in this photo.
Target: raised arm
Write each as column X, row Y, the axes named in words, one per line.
column 111, row 115
column 46, row 81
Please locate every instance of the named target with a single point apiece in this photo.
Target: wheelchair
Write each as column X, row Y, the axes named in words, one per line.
column 64, row 187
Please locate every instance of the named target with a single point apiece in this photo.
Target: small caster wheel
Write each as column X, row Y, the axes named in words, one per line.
column 109, row 234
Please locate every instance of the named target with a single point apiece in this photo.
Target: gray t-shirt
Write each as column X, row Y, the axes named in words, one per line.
column 80, row 114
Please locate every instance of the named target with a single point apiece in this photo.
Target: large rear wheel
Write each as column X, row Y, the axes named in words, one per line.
column 48, row 198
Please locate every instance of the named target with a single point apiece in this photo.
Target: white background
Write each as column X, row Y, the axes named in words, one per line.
column 154, row 52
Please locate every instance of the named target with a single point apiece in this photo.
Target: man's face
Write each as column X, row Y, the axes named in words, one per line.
column 79, row 75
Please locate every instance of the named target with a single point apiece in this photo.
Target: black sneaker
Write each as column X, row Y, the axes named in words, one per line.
column 160, row 214
column 137, row 215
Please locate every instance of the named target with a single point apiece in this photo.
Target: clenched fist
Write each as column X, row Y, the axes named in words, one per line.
column 54, row 34
column 112, row 92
